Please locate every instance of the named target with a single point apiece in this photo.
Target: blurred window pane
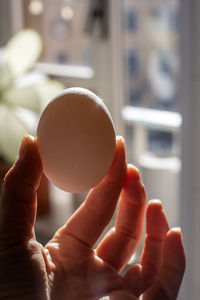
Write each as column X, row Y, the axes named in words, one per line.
column 61, row 25
column 160, row 142
column 151, row 66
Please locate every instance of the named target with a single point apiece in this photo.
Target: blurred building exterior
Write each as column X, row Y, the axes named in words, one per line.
column 150, row 39
column 61, row 25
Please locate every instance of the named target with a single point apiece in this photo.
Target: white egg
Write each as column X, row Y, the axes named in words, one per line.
column 76, row 140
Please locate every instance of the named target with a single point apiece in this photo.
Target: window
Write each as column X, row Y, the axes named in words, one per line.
column 152, row 67
column 62, row 26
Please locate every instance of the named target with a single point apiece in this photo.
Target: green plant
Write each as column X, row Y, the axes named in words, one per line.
column 23, row 95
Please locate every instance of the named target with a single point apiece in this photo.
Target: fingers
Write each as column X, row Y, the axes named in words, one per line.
column 18, row 202
column 172, row 270
column 94, row 214
column 156, row 230
column 134, row 279
column 140, row 278
column 124, row 238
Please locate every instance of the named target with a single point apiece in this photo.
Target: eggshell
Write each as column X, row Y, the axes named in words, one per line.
column 76, row 140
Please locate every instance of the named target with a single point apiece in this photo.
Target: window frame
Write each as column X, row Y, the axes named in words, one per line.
column 190, row 176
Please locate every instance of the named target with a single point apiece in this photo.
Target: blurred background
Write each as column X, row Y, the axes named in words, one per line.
column 142, row 57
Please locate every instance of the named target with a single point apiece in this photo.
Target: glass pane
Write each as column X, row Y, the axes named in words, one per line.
column 61, row 25
column 150, row 42
column 151, row 60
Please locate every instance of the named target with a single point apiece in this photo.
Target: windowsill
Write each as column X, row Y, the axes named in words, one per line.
column 69, row 71
column 152, row 118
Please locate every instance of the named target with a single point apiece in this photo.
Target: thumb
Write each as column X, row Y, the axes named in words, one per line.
column 18, row 201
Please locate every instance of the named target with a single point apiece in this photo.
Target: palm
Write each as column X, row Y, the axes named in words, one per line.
column 80, row 274
column 62, row 273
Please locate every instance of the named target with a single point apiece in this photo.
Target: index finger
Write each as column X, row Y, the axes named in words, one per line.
column 94, row 214
column 18, row 201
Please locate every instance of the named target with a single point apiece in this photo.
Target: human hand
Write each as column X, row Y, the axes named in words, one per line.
column 68, row 267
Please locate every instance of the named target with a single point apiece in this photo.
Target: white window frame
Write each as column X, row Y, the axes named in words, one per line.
column 190, row 109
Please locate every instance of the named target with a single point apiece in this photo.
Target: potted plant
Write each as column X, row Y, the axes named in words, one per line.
column 23, row 96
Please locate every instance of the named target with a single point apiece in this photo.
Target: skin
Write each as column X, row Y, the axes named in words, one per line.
column 68, row 267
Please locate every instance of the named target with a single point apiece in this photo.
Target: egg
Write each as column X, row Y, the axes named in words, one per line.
column 76, row 140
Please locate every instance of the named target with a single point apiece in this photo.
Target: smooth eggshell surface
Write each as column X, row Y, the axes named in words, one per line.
column 76, row 140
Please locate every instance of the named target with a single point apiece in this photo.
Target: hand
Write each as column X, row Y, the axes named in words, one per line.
column 68, row 267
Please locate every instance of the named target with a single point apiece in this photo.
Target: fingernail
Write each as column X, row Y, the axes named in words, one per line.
column 121, row 143
column 177, row 229
column 156, row 201
column 23, row 147
column 131, row 166
column 120, row 138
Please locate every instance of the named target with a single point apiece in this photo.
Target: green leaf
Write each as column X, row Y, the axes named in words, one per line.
column 5, row 76
column 34, row 97
column 12, row 129
column 22, row 51
column 3, row 113
column 47, row 91
column 26, row 97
